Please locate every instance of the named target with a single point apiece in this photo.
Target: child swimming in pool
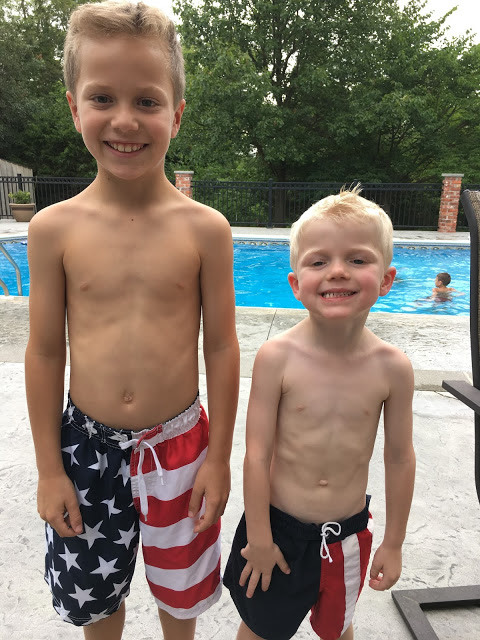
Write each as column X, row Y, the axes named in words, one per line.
column 441, row 289
column 317, row 394
column 133, row 264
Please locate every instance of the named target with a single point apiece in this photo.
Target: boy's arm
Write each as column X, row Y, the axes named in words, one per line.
column 44, row 373
column 399, row 458
column 261, row 553
column 222, row 358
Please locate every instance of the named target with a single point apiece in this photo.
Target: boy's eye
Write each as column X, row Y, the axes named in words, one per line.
column 318, row 263
column 358, row 261
column 147, row 102
column 101, row 99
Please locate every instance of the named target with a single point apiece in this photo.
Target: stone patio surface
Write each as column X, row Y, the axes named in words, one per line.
column 442, row 547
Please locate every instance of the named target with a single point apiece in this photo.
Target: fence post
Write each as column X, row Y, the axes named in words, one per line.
column 447, row 216
column 19, row 181
column 270, row 204
column 183, row 182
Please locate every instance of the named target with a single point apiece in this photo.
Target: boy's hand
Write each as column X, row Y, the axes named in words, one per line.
column 260, row 564
column 57, row 504
column 213, row 482
column 386, row 567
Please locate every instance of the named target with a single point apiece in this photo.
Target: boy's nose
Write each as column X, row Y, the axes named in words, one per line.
column 338, row 269
column 124, row 119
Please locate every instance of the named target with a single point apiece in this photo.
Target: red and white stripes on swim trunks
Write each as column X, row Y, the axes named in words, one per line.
column 182, row 567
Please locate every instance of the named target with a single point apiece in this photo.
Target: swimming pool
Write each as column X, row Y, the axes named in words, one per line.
column 261, row 278
column 261, row 268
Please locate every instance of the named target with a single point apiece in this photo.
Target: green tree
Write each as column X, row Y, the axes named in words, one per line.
column 331, row 90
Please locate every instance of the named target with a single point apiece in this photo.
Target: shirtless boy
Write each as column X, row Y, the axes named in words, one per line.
column 317, row 394
column 441, row 288
column 133, row 264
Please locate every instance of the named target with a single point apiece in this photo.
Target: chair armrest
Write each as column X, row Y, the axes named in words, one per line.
column 465, row 392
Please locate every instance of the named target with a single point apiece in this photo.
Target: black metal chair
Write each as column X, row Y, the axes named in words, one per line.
column 412, row 603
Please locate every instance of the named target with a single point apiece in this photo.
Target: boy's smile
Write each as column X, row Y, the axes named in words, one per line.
column 123, row 105
column 340, row 269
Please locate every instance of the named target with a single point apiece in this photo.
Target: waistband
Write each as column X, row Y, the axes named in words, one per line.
column 173, row 427
column 334, row 531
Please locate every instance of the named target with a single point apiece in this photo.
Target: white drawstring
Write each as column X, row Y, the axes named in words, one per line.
column 327, row 529
column 139, row 445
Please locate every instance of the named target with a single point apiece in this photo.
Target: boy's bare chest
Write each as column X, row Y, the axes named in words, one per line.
column 131, row 265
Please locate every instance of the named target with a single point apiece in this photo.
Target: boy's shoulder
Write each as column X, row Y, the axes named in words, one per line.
column 394, row 359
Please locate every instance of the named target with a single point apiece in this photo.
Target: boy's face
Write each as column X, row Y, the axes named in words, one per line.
column 123, row 105
column 340, row 270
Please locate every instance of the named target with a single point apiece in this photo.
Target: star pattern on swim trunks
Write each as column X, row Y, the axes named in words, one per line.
column 106, row 568
column 95, row 617
column 55, row 575
column 70, row 558
column 112, row 510
column 124, row 471
column 62, row 612
column 81, row 496
column 91, row 533
column 101, row 464
column 82, row 595
column 49, row 534
column 71, row 451
column 126, row 537
column 90, row 427
column 118, row 588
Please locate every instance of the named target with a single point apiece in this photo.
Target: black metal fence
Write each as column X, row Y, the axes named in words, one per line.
column 279, row 204
column 43, row 191
column 263, row 204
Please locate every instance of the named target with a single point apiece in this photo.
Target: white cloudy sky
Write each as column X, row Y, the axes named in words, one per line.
column 466, row 16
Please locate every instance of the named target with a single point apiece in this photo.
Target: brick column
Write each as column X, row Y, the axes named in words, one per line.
column 447, row 216
column 183, row 182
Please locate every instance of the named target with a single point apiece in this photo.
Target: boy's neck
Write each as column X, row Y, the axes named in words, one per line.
column 337, row 335
column 127, row 193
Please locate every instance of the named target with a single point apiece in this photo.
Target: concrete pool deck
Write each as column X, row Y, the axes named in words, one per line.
column 443, row 542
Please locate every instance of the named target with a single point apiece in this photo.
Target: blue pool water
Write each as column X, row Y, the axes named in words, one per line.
column 261, row 278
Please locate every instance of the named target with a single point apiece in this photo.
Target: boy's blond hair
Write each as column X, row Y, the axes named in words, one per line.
column 343, row 207
column 120, row 18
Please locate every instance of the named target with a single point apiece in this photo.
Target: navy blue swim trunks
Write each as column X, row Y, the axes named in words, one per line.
column 133, row 485
column 328, row 564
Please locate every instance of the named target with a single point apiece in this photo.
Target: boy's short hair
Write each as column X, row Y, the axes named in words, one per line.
column 121, row 18
column 343, row 207
column 444, row 278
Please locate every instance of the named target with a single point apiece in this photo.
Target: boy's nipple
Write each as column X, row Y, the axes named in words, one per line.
column 323, row 483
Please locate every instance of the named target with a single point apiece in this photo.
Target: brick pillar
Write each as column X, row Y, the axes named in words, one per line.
column 447, row 216
column 183, row 182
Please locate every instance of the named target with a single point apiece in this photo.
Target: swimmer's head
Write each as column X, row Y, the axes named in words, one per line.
column 444, row 278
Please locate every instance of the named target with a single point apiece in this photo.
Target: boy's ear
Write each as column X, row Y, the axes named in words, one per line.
column 293, row 282
column 387, row 281
column 177, row 118
column 74, row 111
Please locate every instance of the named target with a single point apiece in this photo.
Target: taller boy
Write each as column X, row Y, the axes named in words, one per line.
column 134, row 264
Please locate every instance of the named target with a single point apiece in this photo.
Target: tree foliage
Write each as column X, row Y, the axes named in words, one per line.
column 35, row 124
column 331, row 90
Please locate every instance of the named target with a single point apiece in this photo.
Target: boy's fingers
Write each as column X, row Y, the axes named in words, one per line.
column 282, row 563
column 252, row 584
column 195, row 503
column 266, row 579
column 74, row 516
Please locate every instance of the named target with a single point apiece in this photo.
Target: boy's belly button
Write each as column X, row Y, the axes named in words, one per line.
column 323, row 483
column 128, row 397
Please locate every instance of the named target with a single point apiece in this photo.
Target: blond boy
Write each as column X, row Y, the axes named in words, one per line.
column 317, row 394
column 133, row 264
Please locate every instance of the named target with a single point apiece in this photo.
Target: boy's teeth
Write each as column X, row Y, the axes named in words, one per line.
column 339, row 294
column 126, row 148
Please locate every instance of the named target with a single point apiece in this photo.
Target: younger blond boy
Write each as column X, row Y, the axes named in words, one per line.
column 317, row 394
column 133, row 264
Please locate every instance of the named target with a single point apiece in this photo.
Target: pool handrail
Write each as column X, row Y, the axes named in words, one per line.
column 14, row 264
